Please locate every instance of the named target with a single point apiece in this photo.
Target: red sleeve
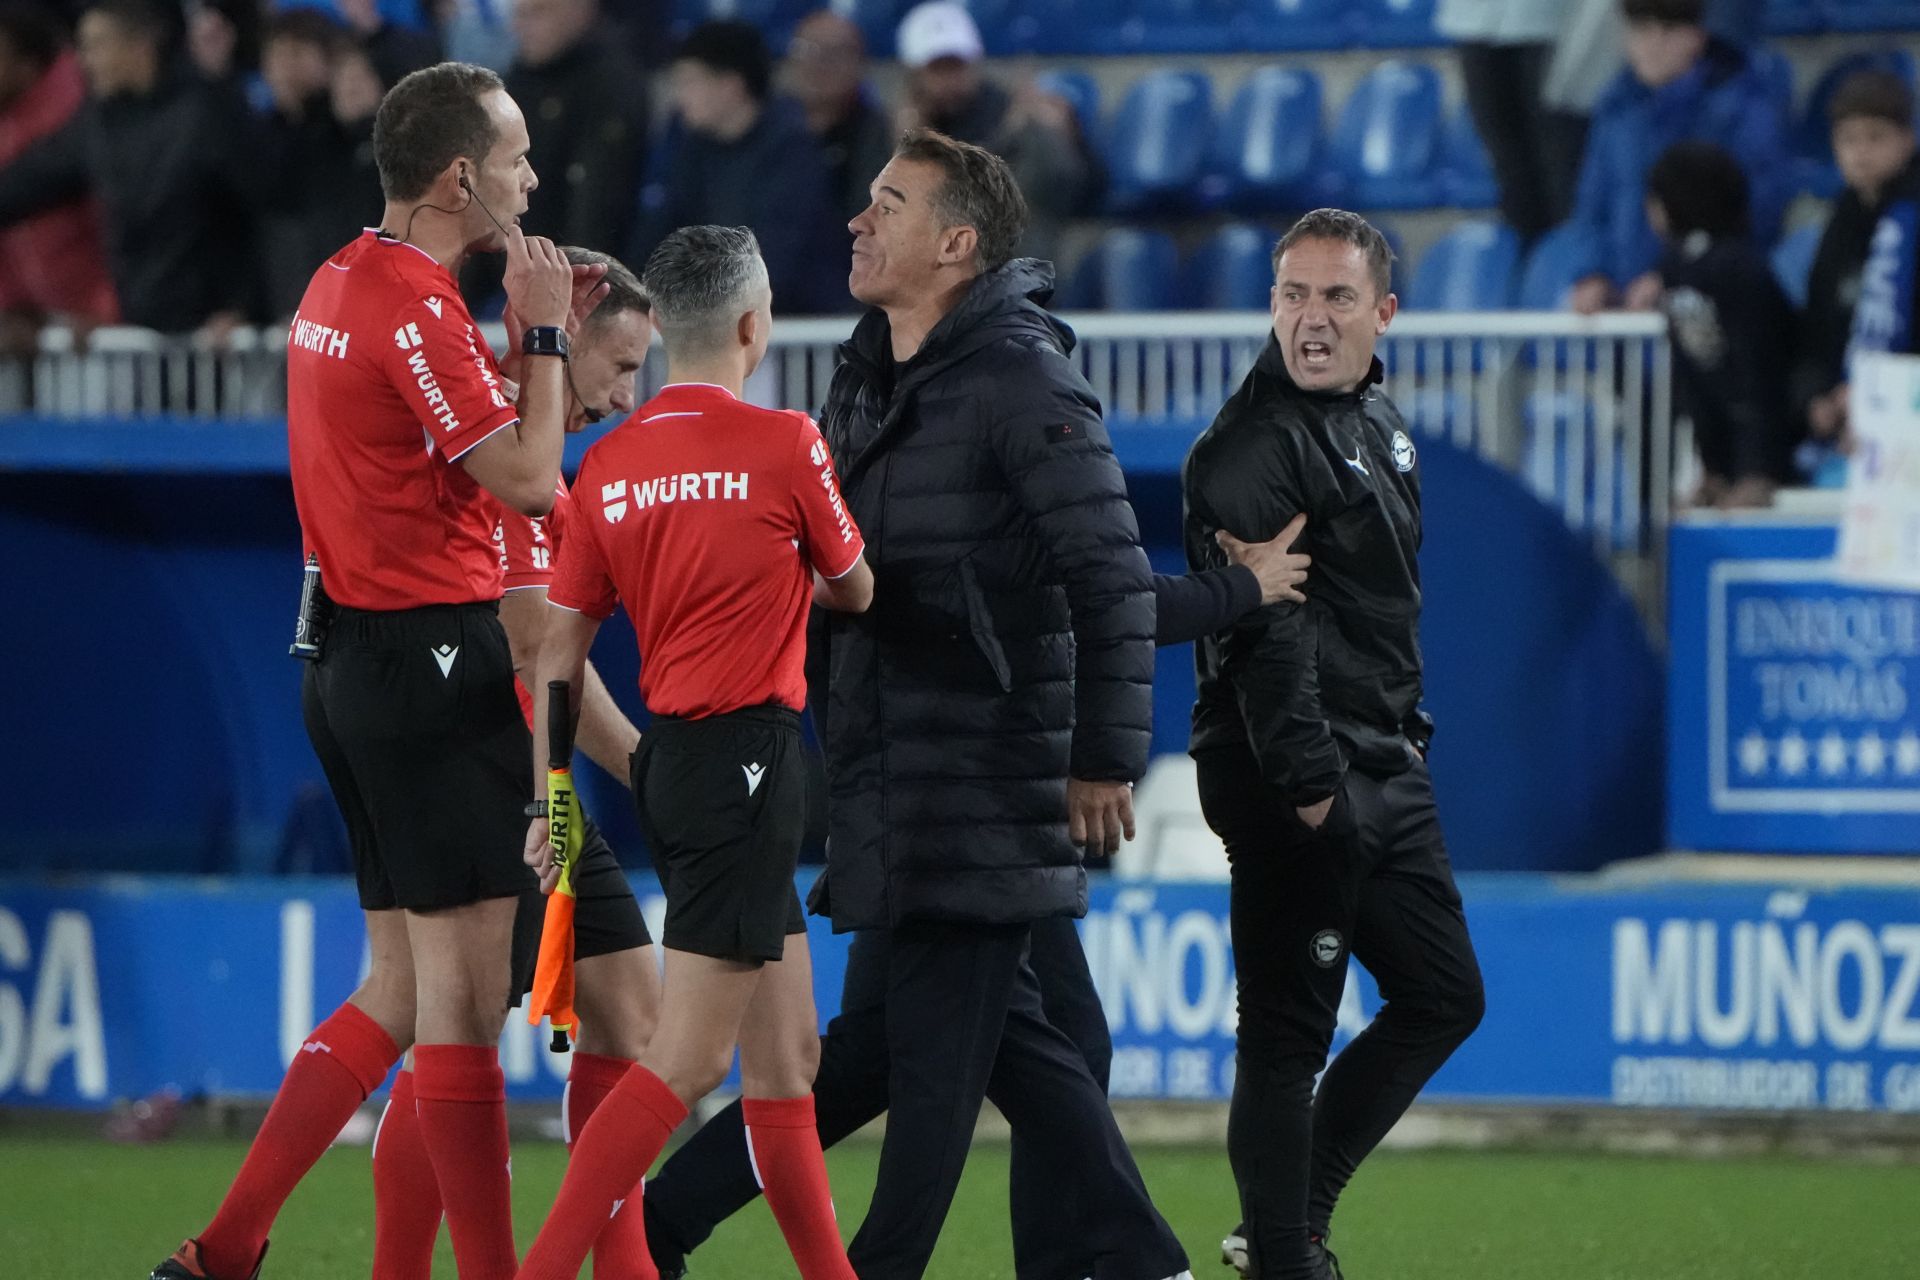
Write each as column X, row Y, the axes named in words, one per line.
column 828, row 536
column 527, row 547
column 582, row 581
column 446, row 374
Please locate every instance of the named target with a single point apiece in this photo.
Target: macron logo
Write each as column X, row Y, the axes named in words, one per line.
column 754, row 773
column 316, row 1046
column 444, row 655
column 435, row 305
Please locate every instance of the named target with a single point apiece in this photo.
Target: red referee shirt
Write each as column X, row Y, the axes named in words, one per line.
column 388, row 383
column 527, row 546
column 707, row 518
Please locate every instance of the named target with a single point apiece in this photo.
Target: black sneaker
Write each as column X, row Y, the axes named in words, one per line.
column 1329, row 1263
column 185, row 1264
column 668, row 1260
column 1233, row 1252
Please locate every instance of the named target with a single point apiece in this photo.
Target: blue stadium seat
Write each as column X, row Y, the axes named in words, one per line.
column 878, row 20
column 1082, row 93
column 1552, row 267
column 775, row 18
column 1793, row 17
column 1268, row 146
column 1393, row 24
column 1157, row 144
column 401, row 13
column 1773, row 64
column 1134, row 270
column 1388, row 138
column 1466, row 174
column 1793, row 260
column 1471, row 268
column 1813, row 136
column 1870, row 15
column 1180, row 26
column 1018, row 26
column 1284, row 25
column 1232, row 270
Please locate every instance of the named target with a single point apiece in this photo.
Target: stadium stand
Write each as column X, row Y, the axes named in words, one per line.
column 1471, row 268
column 1793, row 260
column 1388, row 138
column 1231, row 270
column 1267, row 147
column 1153, row 163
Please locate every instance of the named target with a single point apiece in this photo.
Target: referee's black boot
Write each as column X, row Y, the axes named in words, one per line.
column 185, row 1264
column 1326, row 1256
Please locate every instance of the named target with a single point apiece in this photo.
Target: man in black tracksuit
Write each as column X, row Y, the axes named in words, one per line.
column 1310, row 747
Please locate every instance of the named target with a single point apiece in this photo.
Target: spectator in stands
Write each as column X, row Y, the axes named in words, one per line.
column 394, row 49
column 743, row 160
column 223, row 40
column 52, row 265
column 318, row 180
column 1887, row 316
column 1505, row 47
column 1873, row 141
column 476, row 31
column 826, row 71
column 1680, row 85
column 169, row 158
column 586, row 106
column 1035, row 132
column 1731, row 323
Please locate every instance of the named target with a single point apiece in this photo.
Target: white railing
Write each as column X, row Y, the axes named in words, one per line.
column 1577, row 407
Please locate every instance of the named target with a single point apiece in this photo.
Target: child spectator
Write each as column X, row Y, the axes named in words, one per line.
column 1731, row 323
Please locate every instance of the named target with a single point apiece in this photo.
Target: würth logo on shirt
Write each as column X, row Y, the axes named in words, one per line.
column 822, row 461
column 318, row 337
column 430, row 386
column 688, row 486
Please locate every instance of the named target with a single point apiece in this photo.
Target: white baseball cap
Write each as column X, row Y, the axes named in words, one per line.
column 938, row 29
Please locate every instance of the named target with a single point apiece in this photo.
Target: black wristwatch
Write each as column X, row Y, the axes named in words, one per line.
column 545, row 340
column 536, row 809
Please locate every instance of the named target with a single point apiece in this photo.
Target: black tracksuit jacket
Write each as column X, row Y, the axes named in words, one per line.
column 1335, row 683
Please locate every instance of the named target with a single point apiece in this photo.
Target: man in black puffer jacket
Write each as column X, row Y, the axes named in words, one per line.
column 979, row 733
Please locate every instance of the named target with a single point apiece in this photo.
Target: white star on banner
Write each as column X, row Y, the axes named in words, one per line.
column 1753, row 753
column 1871, row 752
column 1793, row 754
column 1906, row 753
column 1833, row 754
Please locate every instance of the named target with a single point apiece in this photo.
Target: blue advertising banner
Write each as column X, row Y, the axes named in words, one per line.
column 1793, row 724
column 1694, row 995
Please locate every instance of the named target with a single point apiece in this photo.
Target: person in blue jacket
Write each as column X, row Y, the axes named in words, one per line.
column 1681, row 84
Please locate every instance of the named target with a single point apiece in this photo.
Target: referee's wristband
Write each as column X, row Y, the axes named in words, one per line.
column 536, row 809
column 545, row 340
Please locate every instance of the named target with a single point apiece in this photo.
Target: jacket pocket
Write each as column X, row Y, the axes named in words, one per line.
column 980, row 624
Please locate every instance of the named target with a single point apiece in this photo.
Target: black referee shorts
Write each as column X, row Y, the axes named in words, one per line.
column 414, row 718
column 723, row 803
column 606, row 915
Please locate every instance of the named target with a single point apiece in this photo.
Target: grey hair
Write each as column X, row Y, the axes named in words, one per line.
column 1347, row 228
column 624, row 290
column 700, row 280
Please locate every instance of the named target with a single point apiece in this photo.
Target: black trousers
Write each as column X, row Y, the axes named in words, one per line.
column 935, row 1017
column 1535, row 150
column 1373, row 882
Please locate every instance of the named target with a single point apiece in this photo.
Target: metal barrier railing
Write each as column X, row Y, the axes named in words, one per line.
column 1577, row 407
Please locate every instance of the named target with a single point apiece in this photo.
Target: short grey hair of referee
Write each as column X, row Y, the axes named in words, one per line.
column 701, row 280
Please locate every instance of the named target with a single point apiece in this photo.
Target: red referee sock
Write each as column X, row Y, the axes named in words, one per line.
column 462, row 1099
column 343, row 1060
column 785, row 1149
column 406, row 1196
column 629, row 1130
column 621, row 1251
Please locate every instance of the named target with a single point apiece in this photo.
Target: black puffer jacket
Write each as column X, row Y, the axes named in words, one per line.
column 1010, row 643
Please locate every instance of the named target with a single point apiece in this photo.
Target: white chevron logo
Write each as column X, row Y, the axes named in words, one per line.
column 754, row 773
column 444, row 655
column 434, row 305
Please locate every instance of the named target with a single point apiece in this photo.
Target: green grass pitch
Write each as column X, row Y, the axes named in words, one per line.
column 88, row 1210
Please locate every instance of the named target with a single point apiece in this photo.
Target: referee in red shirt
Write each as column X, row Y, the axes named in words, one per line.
column 399, row 432
column 717, row 524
